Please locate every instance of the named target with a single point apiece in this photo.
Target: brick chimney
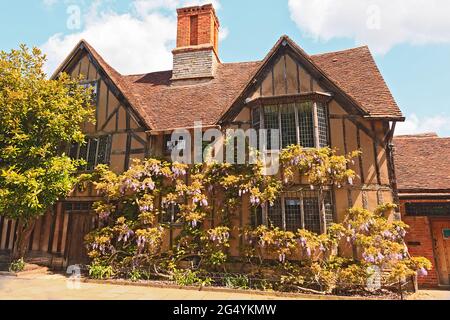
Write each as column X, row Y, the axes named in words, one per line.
column 196, row 56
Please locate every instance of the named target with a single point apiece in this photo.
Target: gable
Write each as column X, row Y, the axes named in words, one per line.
column 285, row 76
column 350, row 76
column 114, row 117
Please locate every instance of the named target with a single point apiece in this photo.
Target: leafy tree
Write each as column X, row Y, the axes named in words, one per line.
column 38, row 117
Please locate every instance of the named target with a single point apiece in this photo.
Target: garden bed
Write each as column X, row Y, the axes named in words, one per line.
column 382, row 295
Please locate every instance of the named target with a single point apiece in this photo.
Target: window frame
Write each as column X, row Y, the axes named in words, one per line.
column 173, row 210
column 88, row 146
column 300, row 195
column 317, row 100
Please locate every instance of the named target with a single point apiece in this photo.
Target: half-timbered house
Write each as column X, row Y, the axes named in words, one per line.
column 336, row 99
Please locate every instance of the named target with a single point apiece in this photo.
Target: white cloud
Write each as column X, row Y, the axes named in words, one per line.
column 416, row 125
column 381, row 24
column 135, row 42
column 49, row 3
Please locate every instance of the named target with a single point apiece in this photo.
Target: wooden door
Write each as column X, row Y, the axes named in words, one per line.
column 441, row 239
column 80, row 224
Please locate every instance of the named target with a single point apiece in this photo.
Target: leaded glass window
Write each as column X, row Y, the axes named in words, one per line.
column 300, row 209
column 288, row 126
column 171, row 214
column 322, row 117
column 312, row 212
column 95, row 151
column 275, row 215
column 306, row 124
column 428, row 208
column 271, row 122
column 257, row 216
column 293, row 214
column 92, row 154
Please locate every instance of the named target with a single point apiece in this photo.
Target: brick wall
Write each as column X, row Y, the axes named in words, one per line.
column 420, row 243
column 207, row 26
column 196, row 55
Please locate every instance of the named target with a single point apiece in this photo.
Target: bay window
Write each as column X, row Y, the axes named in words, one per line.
column 304, row 123
column 296, row 210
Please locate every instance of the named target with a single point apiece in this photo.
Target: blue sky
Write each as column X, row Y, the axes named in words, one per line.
column 410, row 39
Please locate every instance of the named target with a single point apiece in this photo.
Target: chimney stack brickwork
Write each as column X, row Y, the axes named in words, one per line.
column 196, row 55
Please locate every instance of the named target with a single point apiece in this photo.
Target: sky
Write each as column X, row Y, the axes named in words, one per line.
column 410, row 39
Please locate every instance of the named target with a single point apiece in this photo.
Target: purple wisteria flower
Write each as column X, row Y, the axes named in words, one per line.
column 308, row 251
column 368, row 258
column 254, row 200
column 422, row 272
column 125, row 236
column 104, row 215
column 302, row 242
column 178, row 172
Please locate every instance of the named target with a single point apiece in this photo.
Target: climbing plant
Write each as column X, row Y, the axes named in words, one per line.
column 202, row 200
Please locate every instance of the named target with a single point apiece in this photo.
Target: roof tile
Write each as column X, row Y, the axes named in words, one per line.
column 422, row 162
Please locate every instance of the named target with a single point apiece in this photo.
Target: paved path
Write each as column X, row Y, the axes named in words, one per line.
column 433, row 295
column 55, row 287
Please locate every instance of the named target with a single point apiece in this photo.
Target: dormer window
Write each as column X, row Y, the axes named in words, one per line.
column 304, row 122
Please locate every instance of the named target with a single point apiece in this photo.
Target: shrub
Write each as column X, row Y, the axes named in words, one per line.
column 188, row 277
column 100, row 272
column 17, row 266
column 237, row 282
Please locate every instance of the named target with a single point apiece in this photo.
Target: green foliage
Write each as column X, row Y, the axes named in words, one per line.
column 237, row 282
column 188, row 277
column 17, row 266
column 321, row 167
column 100, row 272
column 38, row 117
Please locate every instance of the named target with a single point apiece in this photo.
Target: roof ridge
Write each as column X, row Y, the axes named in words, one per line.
column 341, row 51
column 420, row 136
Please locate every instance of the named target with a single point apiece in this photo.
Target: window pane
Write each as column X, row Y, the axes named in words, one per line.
column 312, row 212
column 257, row 217
column 293, row 215
column 275, row 215
column 92, row 153
column 271, row 121
column 170, row 215
column 256, row 120
column 322, row 115
column 73, row 153
column 83, row 151
column 306, row 123
column 288, row 127
column 428, row 209
column 103, row 149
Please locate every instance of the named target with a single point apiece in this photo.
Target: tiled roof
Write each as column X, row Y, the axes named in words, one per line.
column 356, row 72
column 162, row 106
column 422, row 163
column 179, row 106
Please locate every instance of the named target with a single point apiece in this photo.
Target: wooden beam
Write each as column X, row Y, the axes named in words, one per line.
column 375, row 155
column 361, row 169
